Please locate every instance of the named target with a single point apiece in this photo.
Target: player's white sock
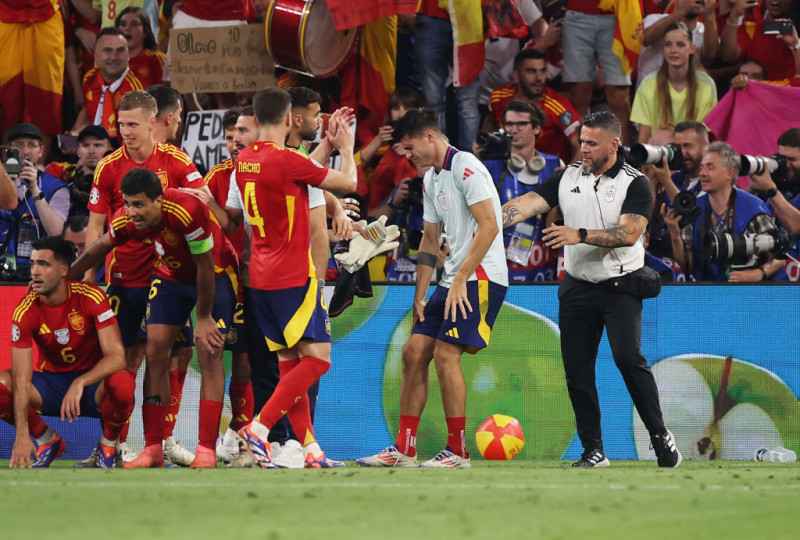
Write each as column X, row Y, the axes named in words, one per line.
column 312, row 448
column 106, row 442
column 260, row 429
column 47, row 437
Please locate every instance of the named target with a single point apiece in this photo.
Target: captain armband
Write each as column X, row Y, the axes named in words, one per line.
column 196, row 247
column 426, row 259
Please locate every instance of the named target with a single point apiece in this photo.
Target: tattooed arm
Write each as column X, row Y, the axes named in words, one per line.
column 525, row 206
column 628, row 231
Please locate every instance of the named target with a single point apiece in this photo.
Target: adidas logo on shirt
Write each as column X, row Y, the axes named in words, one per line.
column 576, row 189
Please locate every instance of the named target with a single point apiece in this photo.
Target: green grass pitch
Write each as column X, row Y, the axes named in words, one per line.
column 517, row 500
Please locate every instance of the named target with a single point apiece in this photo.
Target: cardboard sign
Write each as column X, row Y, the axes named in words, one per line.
column 223, row 59
column 204, row 139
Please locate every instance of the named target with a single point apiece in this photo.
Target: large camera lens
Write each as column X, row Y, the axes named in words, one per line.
column 641, row 154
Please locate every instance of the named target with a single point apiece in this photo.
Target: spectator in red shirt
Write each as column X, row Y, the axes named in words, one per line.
column 145, row 60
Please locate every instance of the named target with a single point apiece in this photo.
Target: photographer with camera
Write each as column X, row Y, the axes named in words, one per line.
column 42, row 202
column 724, row 243
column 517, row 167
column 786, row 210
column 772, row 41
column 93, row 144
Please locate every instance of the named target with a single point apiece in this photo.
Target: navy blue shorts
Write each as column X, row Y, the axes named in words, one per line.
column 129, row 305
column 172, row 302
column 236, row 340
column 53, row 387
column 288, row 315
column 474, row 332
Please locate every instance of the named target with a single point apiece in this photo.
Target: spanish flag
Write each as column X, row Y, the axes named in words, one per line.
column 368, row 77
column 628, row 33
column 466, row 17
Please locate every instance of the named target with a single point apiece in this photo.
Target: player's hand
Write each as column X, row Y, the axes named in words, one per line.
column 558, row 236
column 457, row 300
column 207, row 335
column 21, row 454
column 199, row 193
column 71, row 404
column 342, row 138
column 419, row 312
column 346, row 114
column 342, row 226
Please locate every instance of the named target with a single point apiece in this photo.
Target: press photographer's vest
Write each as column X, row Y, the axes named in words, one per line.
column 21, row 226
column 542, row 262
column 744, row 207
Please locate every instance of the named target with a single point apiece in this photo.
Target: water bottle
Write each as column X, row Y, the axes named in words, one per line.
column 778, row 454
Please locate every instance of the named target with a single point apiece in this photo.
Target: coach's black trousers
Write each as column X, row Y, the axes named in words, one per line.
column 265, row 374
column 584, row 310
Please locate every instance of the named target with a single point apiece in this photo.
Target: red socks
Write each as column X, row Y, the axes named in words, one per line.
column 455, row 435
column 208, row 431
column 296, row 377
column 153, row 422
column 242, row 403
column 117, row 404
column 407, row 437
column 36, row 426
column 176, row 379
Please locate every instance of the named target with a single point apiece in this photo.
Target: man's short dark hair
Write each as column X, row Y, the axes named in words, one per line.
column 527, row 54
column 416, row 122
column 168, row 99
column 603, row 119
column 230, row 116
column 755, row 63
column 303, row 97
column 63, row 250
column 140, row 180
column 698, row 127
column 110, row 31
column 76, row 223
column 790, row 137
column 525, row 107
column 406, row 97
column 247, row 110
column 271, row 105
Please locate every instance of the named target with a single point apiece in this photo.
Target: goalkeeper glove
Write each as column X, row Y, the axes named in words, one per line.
column 380, row 239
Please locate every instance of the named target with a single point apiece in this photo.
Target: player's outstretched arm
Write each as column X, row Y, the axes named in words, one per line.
column 113, row 360
column 94, row 230
column 91, row 257
column 21, row 376
column 426, row 265
column 206, row 334
column 523, row 207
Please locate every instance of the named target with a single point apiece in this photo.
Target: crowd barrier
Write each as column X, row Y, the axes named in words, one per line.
column 725, row 358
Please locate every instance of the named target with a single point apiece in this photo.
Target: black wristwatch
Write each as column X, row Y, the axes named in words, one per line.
column 771, row 192
column 39, row 197
column 582, row 234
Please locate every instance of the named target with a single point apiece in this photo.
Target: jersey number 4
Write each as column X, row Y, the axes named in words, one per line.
column 251, row 207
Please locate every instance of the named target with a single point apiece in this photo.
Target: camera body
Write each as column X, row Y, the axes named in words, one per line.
column 742, row 250
column 774, row 28
column 81, row 182
column 685, row 204
column 12, row 162
column 495, row 145
column 641, row 154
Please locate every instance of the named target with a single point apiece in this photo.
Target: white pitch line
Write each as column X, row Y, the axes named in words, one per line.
column 394, row 485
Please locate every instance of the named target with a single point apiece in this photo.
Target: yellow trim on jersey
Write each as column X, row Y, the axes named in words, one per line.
column 220, row 167
column 120, row 222
column 553, row 105
column 24, row 306
column 273, row 346
column 290, row 215
column 299, row 321
column 113, row 156
column 233, row 276
column 175, row 152
column 87, row 290
column 178, row 211
column 44, row 329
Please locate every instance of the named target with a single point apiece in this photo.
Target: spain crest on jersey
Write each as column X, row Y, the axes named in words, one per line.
column 169, row 237
column 77, row 322
column 162, row 175
column 62, row 336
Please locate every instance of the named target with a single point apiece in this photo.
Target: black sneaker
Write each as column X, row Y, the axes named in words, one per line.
column 664, row 446
column 592, row 458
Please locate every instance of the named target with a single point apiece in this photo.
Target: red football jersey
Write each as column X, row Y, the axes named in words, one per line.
column 93, row 90
column 131, row 265
column 66, row 335
column 149, row 67
column 27, row 11
column 273, row 182
column 184, row 219
column 561, row 119
column 774, row 55
column 218, row 180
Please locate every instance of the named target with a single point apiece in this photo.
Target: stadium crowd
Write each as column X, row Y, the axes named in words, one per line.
column 91, row 132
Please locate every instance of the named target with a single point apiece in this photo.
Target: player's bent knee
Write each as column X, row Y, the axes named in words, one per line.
column 119, row 387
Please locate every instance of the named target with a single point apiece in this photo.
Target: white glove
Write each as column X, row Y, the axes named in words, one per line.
column 381, row 239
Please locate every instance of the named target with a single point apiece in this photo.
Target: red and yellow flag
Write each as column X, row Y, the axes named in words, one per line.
column 628, row 33
column 469, row 53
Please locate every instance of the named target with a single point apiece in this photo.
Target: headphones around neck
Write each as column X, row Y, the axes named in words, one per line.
column 516, row 163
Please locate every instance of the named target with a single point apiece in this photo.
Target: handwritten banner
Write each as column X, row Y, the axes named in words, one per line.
column 223, row 59
column 204, row 139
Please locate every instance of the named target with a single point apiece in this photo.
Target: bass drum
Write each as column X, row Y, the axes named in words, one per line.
column 301, row 37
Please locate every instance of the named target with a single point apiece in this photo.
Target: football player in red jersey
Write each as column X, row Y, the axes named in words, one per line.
column 130, row 267
column 80, row 368
column 273, row 181
column 197, row 265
